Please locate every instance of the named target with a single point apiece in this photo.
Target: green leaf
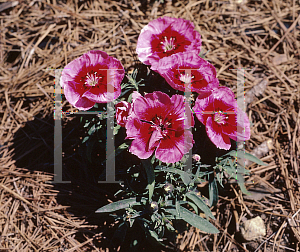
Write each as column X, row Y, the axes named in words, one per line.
column 177, row 205
column 121, row 204
column 150, row 176
column 153, row 159
column 116, row 129
column 193, row 206
column 85, row 139
column 149, row 231
column 92, row 129
column 172, row 210
column 219, row 176
column 241, row 182
column 185, row 178
column 213, row 192
column 241, row 154
column 198, row 222
column 166, row 169
column 184, row 175
column 200, row 203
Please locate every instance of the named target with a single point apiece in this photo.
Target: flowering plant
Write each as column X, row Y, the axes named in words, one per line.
column 155, row 130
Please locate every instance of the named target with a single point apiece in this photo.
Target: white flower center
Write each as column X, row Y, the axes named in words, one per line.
column 92, row 79
column 168, row 44
column 220, row 118
column 186, row 78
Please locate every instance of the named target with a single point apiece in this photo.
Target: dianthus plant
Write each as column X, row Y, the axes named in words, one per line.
column 161, row 120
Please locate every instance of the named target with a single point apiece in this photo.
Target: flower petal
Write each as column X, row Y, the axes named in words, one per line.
column 84, row 104
column 181, row 68
column 171, row 150
column 139, row 148
column 219, row 139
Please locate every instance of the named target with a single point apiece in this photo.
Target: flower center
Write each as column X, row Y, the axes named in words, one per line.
column 159, row 124
column 91, row 79
column 168, row 44
column 186, row 78
column 220, row 118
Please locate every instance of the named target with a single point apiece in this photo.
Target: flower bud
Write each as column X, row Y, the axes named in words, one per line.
column 154, row 206
column 168, row 188
column 196, row 157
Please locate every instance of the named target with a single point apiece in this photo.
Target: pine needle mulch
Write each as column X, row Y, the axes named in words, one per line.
column 37, row 36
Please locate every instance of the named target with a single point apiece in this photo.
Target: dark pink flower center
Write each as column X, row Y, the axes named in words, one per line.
column 168, row 44
column 160, row 124
column 220, row 117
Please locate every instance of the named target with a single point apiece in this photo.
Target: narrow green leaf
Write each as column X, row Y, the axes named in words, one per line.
column 172, row 210
column 200, row 203
column 177, row 205
column 166, row 169
column 193, row 206
column 121, row 204
column 184, row 175
column 92, row 129
column 85, row 139
column 198, row 222
column 241, row 182
column 213, row 192
column 254, row 159
column 116, row 129
column 150, row 176
column 241, row 154
column 153, row 159
column 185, row 178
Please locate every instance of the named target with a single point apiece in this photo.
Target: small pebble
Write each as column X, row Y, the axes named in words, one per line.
column 253, row 229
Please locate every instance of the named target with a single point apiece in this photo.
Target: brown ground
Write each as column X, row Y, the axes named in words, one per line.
column 262, row 36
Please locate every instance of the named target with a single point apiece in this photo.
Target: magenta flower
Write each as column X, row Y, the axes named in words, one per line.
column 188, row 69
column 165, row 36
column 123, row 110
column 92, row 78
column 222, row 117
column 158, row 123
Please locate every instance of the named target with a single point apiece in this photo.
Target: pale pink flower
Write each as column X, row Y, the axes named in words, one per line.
column 165, row 36
column 188, row 70
column 222, row 117
column 92, row 78
column 159, row 123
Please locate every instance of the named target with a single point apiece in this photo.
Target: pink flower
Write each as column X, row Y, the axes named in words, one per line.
column 123, row 110
column 188, row 68
column 93, row 77
column 222, row 117
column 158, row 123
column 165, row 36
